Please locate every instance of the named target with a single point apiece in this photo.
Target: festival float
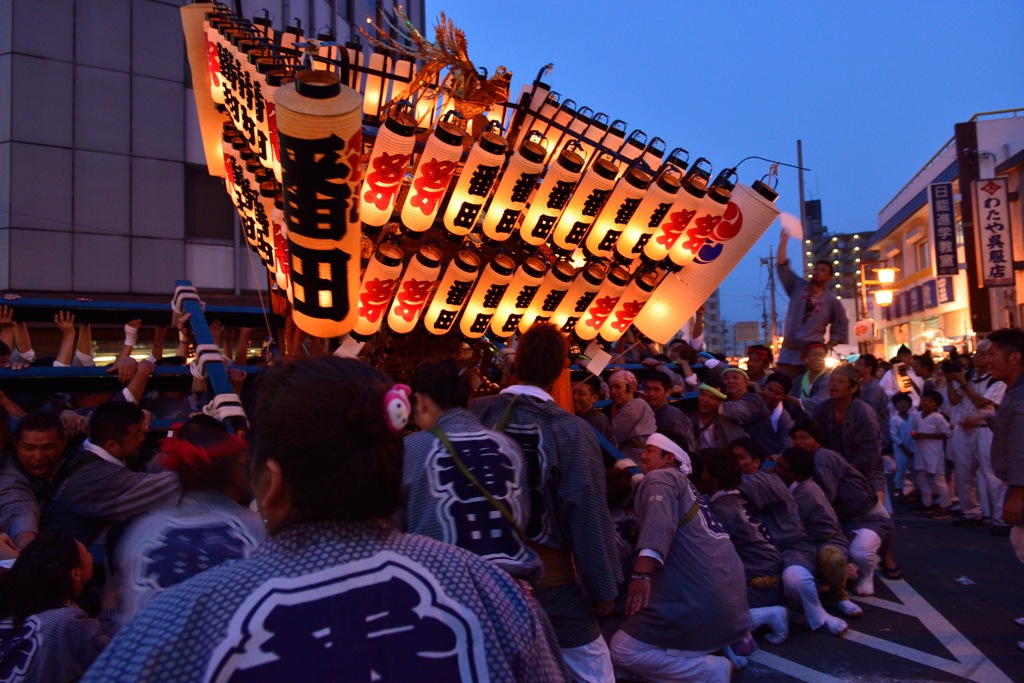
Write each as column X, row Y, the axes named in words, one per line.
column 405, row 204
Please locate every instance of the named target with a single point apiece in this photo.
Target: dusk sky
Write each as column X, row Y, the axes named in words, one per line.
column 872, row 88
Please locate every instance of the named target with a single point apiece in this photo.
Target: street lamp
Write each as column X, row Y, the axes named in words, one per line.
column 883, row 296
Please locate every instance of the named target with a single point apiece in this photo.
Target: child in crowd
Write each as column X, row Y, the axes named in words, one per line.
column 903, row 444
column 929, row 430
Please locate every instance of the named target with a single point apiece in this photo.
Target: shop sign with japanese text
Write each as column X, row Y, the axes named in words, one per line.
column 992, row 218
column 943, row 215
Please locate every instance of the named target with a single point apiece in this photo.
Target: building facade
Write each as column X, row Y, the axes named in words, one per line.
column 940, row 295
column 104, row 189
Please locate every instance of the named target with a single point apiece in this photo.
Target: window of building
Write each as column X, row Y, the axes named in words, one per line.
column 209, row 213
column 922, row 255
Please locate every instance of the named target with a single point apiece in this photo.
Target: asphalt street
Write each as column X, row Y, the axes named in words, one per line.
column 951, row 618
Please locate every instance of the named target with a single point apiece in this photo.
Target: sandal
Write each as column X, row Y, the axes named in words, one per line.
column 894, row 572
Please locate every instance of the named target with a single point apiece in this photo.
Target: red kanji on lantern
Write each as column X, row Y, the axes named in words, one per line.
column 430, row 186
column 375, row 299
column 600, row 311
column 624, row 316
column 670, row 231
column 385, row 178
column 411, row 298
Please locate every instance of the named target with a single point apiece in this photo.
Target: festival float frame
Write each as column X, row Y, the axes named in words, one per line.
column 401, row 199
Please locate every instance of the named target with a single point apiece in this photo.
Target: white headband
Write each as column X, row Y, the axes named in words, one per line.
column 669, row 446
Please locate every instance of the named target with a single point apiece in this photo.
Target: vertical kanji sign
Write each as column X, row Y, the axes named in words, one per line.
column 943, row 214
column 992, row 216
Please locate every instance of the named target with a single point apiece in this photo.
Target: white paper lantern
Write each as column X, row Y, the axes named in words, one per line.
column 579, row 296
column 434, row 172
column 264, row 26
column 404, row 69
column 264, row 218
column 634, row 146
column 629, row 305
column 550, row 295
column 374, row 91
column 524, row 287
column 389, row 160
column 281, row 264
column 487, row 294
column 273, row 80
column 380, row 280
column 654, row 154
column 318, row 119
column 415, row 289
column 578, row 127
column 683, row 211
column 214, row 19
column 615, row 216
column 679, row 295
column 531, row 98
column 479, row 175
column 703, row 226
column 653, row 209
column 516, row 185
column 557, row 133
column 603, row 304
column 552, row 196
column 587, row 201
column 452, row 293
column 193, row 21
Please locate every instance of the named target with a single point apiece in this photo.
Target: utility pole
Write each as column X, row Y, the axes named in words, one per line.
column 803, row 206
column 765, row 328
column 770, row 262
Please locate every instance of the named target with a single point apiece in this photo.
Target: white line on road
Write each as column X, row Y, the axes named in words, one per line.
column 798, row 671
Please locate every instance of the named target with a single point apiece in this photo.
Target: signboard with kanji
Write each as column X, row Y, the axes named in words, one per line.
column 992, row 218
column 943, row 215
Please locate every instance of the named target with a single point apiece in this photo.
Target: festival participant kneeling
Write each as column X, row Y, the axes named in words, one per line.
column 687, row 597
column 335, row 591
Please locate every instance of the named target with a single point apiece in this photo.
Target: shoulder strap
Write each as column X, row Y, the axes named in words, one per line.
column 690, row 514
column 495, row 503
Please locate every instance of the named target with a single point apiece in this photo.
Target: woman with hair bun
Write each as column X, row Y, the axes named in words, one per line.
column 335, row 591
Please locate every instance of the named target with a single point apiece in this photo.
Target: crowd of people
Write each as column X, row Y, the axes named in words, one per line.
column 679, row 512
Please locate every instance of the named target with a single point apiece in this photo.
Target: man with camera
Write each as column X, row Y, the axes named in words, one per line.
column 973, row 401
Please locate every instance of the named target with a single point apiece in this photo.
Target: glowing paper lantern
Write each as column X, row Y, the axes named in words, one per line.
column 273, row 80
column 261, row 142
column 652, row 211
column 486, row 296
column 520, row 293
column 291, row 35
column 193, row 18
column 212, row 24
column 373, row 91
column 379, row 283
column 603, row 304
column 629, row 306
column 514, row 188
column 634, row 146
column 264, row 222
column 652, row 155
column 579, row 296
column 563, row 116
column 553, row 195
column 679, row 295
column 320, row 131
column 705, row 224
column 616, row 214
column 578, row 127
column 389, row 158
column 452, row 293
column 683, row 210
column 281, row 265
column 264, row 26
column 550, row 295
column 404, row 70
column 414, row 289
column 531, row 98
column 433, row 174
column 252, row 107
column 594, row 189
column 479, row 174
